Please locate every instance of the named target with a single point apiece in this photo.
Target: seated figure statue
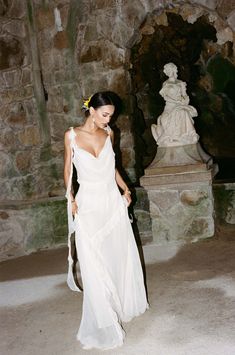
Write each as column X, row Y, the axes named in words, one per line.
column 175, row 126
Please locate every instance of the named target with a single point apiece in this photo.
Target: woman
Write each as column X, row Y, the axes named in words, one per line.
column 109, row 262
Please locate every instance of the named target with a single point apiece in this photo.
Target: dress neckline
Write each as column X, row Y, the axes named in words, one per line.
column 86, row 151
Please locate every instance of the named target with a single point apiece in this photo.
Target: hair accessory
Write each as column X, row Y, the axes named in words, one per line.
column 86, row 103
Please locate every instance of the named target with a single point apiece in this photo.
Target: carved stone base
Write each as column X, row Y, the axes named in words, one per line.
column 179, row 187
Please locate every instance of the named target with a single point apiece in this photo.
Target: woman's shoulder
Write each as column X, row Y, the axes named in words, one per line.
column 69, row 133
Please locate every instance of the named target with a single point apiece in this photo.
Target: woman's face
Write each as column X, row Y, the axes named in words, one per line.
column 102, row 115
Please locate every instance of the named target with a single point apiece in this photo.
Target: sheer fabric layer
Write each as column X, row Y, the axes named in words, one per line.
column 109, row 261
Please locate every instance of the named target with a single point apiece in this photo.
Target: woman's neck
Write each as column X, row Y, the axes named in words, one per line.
column 89, row 126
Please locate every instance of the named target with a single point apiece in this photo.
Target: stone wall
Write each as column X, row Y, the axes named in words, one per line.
column 54, row 53
column 48, row 65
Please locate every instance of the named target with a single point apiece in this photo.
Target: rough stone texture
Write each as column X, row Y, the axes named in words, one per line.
column 40, row 224
column 210, row 4
column 231, row 20
column 142, row 220
column 224, row 194
column 180, row 215
column 91, row 53
column 225, row 35
column 32, row 226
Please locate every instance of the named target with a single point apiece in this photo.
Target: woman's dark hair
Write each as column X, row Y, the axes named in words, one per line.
column 100, row 99
column 105, row 98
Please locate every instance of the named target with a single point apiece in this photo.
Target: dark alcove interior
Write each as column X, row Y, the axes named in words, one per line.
column 207, row 69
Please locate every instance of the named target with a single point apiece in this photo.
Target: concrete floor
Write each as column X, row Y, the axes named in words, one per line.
column 191, row 292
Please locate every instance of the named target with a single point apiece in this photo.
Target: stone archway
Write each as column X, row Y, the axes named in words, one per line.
column 110, row 31
column 200, row 54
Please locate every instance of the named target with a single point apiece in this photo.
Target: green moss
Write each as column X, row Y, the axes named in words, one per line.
column 28, row 186
column 223, row 200
column 49, row 225
column 45, row 153
column 54, row 172
column 71, row 29
column 30, row 12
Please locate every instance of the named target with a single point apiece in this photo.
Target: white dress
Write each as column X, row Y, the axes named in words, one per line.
column 110, row 267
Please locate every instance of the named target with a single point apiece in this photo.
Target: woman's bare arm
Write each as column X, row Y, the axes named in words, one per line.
column 67, row 167
column 67, row 160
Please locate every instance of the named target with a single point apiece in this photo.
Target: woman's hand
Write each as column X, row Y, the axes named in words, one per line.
column 74, row 207
column 127, row 195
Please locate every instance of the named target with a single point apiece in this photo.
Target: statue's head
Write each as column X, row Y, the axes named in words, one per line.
column 170, row 69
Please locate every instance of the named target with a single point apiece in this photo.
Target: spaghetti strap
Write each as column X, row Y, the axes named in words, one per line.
column 108, row 130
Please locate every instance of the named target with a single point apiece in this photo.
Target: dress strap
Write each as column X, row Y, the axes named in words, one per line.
column 108, row 130
column 72, row 135
column 71, row 223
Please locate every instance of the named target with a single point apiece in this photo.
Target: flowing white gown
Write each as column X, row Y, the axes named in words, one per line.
column 109, row 261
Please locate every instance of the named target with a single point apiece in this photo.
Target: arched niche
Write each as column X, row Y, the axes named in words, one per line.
column 115, row 39
column 208, row 68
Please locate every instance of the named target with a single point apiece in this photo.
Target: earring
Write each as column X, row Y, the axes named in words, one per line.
column 93, row 120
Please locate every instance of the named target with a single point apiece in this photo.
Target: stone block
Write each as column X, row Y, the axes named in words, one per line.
column 118, row 81
column 164, row 199
column 103, row 4
column 58, row 126
column 141, row 211
column 22, row 161
column 15, row 28
column 29, row 136
column 231, row 20
column 112, row 56
column 26, row 78
column 225, row 7
column 45, row 18
column 8, row 140
column 17, row 115
column 11, row 237
column 224, row 35
column 154, row 210
column 17, row 9
column 192, row 198
column 224, row 195
column 14, row 55
column 121, row 33
column 32, row 226
column 12, row 78
column 200, row 228
column 55, row 103
column 180, row 212
column 61, row 40
column 91, row 32
column 141, row 200
column 6, row 166
column 90, row 53
column 210, row 4
column 133, row 14
column 143, row 221
column 31, row 110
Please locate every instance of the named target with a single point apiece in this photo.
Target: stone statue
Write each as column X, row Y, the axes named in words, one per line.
column 175, row 125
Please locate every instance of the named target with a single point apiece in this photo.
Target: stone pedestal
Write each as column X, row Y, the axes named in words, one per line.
column 179, row 187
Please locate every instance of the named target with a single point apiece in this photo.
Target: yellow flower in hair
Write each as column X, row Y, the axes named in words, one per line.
column 86, row 103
